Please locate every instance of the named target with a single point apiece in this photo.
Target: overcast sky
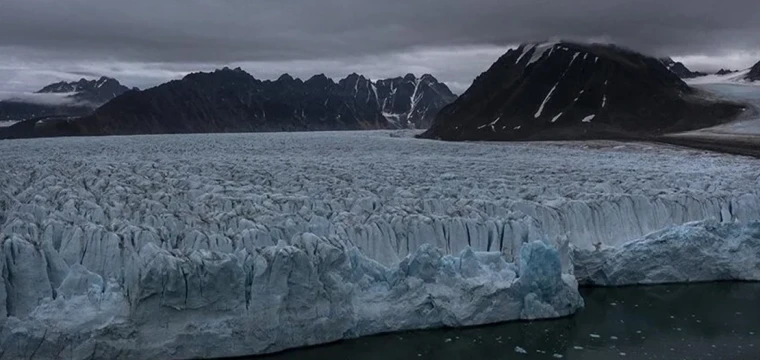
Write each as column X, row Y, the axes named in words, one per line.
column 146, row 42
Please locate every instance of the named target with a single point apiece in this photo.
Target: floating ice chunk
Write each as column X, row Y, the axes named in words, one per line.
column 520, row 350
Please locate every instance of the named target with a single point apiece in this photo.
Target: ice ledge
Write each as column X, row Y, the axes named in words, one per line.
column 210, row 304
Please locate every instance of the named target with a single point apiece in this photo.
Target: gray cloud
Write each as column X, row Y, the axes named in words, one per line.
column 166, row 38
column 42, row 99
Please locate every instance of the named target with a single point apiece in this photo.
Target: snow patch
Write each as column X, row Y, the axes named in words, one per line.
column 588, row 119
column 491, row 124
column 8, row 123
column 549, row 95
column 557, row 117
column 525, row 50
column 539, row 50
column 546, row 99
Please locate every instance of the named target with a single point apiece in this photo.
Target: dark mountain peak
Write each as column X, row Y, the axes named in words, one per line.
column 410, row 77
column 319, row 81
column 225, row 74
column 725, row 72
column 81, row 85
column 429, row 78
column 754, row 73
column 667, row 61
column 286, row 78
column 355, row 83
column 353, row 78
column 571, row 90
column 59, row 87
column 82, row 97
column 680, row 69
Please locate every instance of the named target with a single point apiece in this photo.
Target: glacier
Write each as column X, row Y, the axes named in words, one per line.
column 239, row 244
column 695, row 252
column 171, row 304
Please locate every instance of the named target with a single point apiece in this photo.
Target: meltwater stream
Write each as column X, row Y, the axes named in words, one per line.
column 692, row 322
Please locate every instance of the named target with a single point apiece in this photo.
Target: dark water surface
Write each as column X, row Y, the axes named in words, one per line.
column 689, row 322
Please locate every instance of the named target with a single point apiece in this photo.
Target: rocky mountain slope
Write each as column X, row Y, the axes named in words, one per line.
column 680, row 69
column 570, row 91
column 725, row 72
column 75, row 99
column 231, row 100
column 754, row 73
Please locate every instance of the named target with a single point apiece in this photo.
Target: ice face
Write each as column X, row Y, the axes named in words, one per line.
column 695, row 252
column 210, row 304
column 220, row 245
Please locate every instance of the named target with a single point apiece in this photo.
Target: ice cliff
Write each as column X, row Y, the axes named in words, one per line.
column 175, row 304
column 232, row 244
column 695, row 252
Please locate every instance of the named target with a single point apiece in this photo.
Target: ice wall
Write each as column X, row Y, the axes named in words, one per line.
column 695, row 252
column 174, row 304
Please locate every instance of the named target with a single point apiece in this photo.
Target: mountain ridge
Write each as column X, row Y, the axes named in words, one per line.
column 77, row 98
column 232, row 100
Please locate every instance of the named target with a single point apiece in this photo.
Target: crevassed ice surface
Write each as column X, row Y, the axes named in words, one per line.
column 220, row 245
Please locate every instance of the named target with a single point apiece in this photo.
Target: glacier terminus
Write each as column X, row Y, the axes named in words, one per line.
column 237, row 244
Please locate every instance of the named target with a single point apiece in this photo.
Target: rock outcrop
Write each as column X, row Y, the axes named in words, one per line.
column 680, row 69
column 754, row 73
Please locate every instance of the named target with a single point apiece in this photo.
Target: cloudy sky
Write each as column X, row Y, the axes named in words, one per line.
column 145, row 42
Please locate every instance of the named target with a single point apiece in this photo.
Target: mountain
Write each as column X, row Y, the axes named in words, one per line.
column 231, row 100
column 754, row 73
column 412, row 102
column 62, row 99
column 569, row 91
column 680, row 69
column 725, row 72
column 94, row 91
